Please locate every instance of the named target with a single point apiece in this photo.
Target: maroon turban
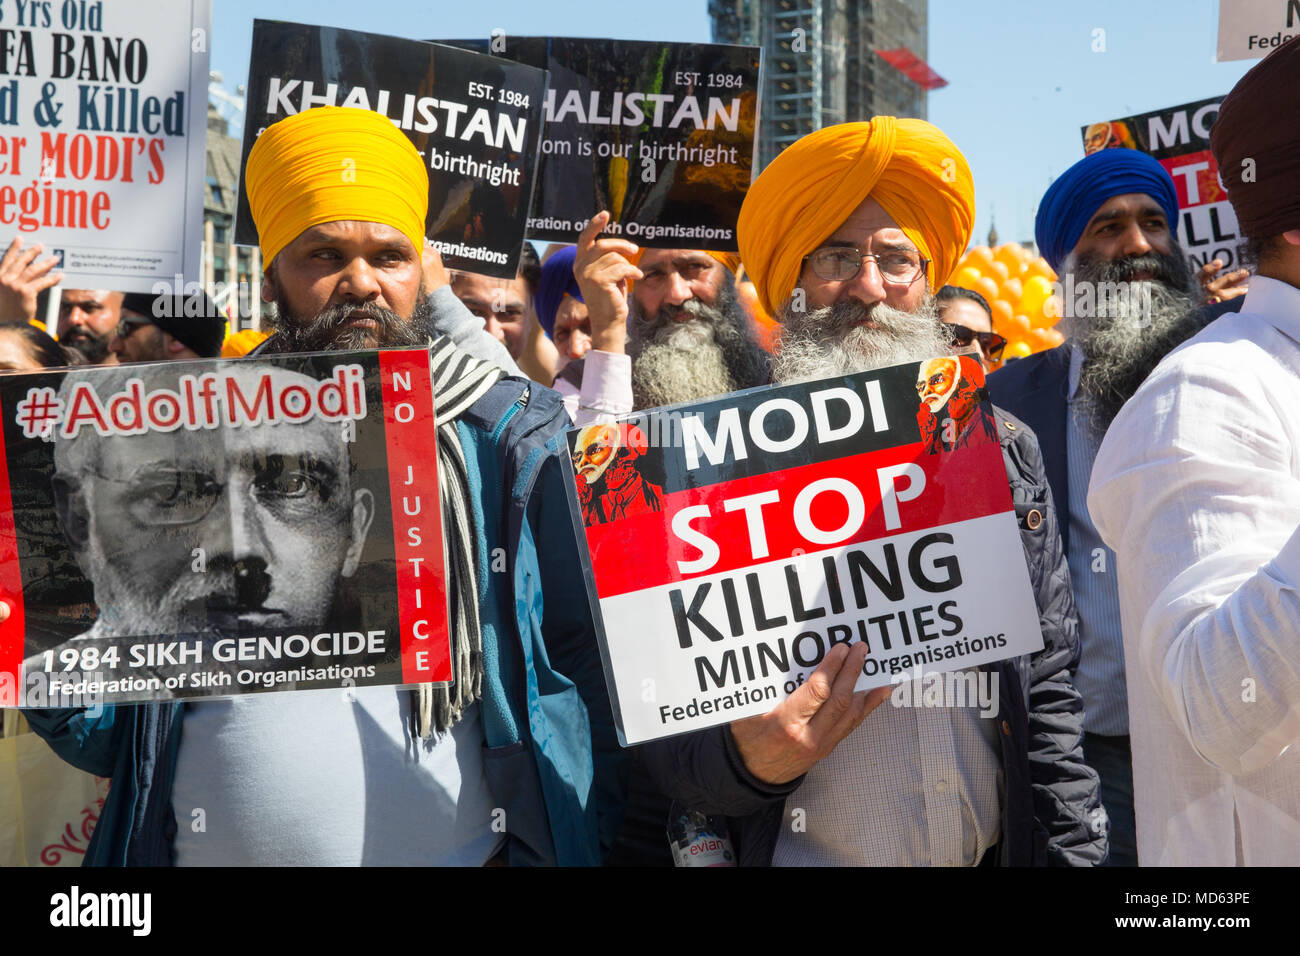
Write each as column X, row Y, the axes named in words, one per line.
column 1256, row 141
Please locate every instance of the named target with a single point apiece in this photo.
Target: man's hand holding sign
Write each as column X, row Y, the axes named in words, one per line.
column 784, row 744
column 604, row 273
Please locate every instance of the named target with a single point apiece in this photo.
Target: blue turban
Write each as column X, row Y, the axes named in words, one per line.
column 1081, row 190
column 557, row 279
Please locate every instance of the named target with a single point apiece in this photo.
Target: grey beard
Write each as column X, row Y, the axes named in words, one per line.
column 711, row 354
column 324, row 332
column 829, row 342
column 1129, row 334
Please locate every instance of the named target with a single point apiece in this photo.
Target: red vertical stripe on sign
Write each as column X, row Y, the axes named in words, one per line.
column 417, row 516
column 12, row 631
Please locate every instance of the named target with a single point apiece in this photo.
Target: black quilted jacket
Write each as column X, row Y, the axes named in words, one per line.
column 1048, row 816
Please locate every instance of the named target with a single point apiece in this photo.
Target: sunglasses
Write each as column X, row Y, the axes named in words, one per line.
column 127, row 326
column 990, row 342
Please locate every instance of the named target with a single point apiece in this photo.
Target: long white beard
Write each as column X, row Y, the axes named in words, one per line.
column 829, row 342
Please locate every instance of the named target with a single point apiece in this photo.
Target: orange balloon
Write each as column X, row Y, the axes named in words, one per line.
column 1018, row 327
column 1040, row 339
column 1009, row 256
column 1041, row 319
column 999, row 272
column 986, row 287
column 965, row 277
column 1055, row 337
column 1017, row 349
column 981, row 257
column 1012, row 290
column 1037, row 291
column 1002, row 312
column 1039, row 267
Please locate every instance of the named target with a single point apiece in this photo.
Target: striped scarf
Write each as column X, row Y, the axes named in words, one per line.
column 459, row 380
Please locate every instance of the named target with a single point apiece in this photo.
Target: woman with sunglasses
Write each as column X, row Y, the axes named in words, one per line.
column 968, row 316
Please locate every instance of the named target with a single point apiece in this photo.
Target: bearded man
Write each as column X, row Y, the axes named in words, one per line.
column 667, row 319
column 380, row 775
column 1197, row 488
column 666, row 327
column 828, row 776
column 1108, row 225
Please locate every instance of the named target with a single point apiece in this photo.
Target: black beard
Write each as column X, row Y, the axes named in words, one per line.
column 326, row 332
column 1120, row 349
column 712, row 353
column 94, row 348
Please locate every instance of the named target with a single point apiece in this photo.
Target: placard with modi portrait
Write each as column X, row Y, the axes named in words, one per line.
column 771, row 524
column 215, row 528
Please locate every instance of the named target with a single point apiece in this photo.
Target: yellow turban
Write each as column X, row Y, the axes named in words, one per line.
column 241, row 343
column 334, row 163
column 907, row 165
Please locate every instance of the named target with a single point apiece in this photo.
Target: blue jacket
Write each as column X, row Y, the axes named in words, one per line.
column 551, row 757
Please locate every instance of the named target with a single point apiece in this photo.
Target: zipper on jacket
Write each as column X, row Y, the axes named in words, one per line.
column 511, row 412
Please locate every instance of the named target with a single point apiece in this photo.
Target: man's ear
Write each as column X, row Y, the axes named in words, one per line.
column 363, row 512
column 269, row 287
column 172, row 345
column 74, row 517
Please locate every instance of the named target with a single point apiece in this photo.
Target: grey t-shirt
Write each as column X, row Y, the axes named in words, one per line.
column 314, row 778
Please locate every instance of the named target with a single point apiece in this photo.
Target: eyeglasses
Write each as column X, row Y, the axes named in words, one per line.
column 990, row 342
column 842, row 263
column 127, row 326
column 292, row 488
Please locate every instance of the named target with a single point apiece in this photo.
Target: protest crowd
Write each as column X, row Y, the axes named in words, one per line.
column 1142, row 714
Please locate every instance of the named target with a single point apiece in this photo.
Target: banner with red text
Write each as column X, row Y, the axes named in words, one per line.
column 103, row 108
column 1179, row 137
column 769, row 525
column 208, row 529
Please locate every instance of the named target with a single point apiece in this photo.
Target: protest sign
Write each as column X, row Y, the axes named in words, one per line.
column 1250, row 29
column 771, row 524
column 1179, row 137
column 659, row 134
column 102, row 159
column 474, row 118
column 197, row 529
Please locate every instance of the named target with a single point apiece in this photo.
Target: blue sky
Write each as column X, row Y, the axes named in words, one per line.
column 1023, row 76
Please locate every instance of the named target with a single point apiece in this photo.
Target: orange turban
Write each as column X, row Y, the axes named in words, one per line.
column 730, row 260
column 907, row 165
column 334, row 163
